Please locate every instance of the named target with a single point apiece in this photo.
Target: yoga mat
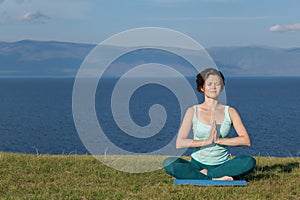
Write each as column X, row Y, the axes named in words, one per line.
column 209, row 182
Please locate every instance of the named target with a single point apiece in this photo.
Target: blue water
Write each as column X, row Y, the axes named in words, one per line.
column 36, row 116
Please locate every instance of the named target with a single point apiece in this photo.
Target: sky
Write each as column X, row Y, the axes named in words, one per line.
column 210, row 22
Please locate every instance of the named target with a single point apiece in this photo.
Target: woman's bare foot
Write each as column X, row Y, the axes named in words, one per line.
column 224, row 178
column 204, row 171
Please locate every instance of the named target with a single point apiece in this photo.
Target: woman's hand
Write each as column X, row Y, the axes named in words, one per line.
column 213, row 137
column 183, row 141
column 243, row 138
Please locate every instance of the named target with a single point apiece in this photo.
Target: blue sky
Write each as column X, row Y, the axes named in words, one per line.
column 210, row 22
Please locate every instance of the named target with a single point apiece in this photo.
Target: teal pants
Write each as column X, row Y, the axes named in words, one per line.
column 182, row 169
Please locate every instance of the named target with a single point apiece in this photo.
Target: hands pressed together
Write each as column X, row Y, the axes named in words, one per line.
column 214, row 136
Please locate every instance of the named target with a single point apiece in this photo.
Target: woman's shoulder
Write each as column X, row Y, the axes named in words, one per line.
column 229, row 107
column 191, row 109
column 232, row 111
column 189, row 113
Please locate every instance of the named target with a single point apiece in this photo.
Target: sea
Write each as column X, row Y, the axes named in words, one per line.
column 36, row 116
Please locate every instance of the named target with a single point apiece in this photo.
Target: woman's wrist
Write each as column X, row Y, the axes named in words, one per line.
column 204, row 142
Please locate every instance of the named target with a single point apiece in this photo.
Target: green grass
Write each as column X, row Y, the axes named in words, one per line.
column 84, row 177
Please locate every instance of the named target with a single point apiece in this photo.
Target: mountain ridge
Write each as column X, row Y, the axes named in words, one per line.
column 59, row 58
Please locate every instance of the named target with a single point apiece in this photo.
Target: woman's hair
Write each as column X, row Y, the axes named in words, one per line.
column 202, row 76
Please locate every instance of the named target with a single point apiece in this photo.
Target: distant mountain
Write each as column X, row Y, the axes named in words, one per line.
column 52, row 58
column 40, row 58
column 257, row 61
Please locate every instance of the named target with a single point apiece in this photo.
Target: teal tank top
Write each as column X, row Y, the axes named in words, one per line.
column 213, row 154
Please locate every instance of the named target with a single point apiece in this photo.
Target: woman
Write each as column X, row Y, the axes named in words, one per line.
column 211, row 123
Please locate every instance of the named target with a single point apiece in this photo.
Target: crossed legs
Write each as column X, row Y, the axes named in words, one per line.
column 183, row 169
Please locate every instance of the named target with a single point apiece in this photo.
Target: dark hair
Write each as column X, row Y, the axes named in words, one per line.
column 202, row 76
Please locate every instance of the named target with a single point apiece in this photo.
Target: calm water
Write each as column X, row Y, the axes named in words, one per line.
column 36, row 116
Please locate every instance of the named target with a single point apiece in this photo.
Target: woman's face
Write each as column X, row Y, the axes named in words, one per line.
column 212, row 86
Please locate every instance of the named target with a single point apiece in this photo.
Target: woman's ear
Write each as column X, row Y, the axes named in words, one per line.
column 202, row 90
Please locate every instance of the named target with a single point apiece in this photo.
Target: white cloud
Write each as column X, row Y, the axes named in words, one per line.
column 23, row 10
column 285, row 28
column 35, row 17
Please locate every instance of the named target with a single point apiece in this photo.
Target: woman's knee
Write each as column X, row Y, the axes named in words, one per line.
column 173, row 160
column 169, row 161
column 249, row 160
column 252, row 162
column 168, row 165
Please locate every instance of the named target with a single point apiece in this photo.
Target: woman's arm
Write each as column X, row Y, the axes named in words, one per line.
column 182, row 138
column 243, row 138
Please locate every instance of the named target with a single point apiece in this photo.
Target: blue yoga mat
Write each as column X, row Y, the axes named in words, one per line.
column 209, row 182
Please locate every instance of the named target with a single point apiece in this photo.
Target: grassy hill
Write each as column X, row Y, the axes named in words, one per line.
column 84, row 177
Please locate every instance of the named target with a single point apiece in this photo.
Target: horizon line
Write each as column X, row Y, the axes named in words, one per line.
column 94, row 44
